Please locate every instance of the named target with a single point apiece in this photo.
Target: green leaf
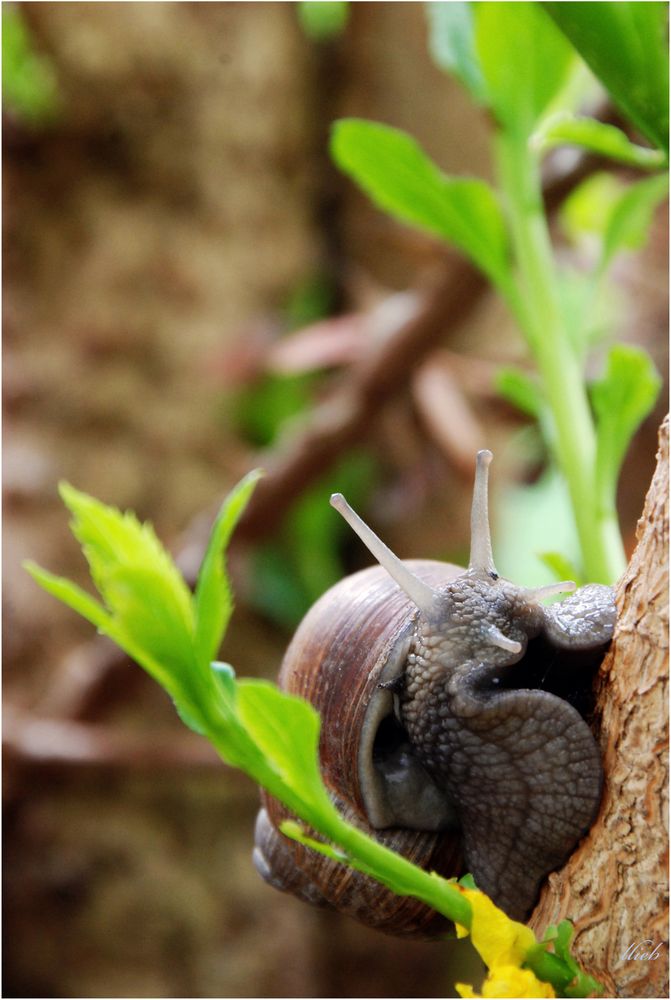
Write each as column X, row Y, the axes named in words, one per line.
column 452, row 44
column 113, row 542
column 523, row 513
column 551, row 933
column 401, row 179
column 620, row 215
column 286, row 729
column 213, row 602
column 296, row 832
column 525, row 61
column 147, row 610
column 322, row 20
column 563, row 935
column 520, row 389
column 622, row 399
column 561, row 567
column 227, row 731
column 631, row 218
column 151, row 609
column 625, row 45
column 398, row 879
column 72, row 595
column 579, row 984
column 467, row 881
column 396, row 882
column 81, row 602
column 304, row 559
column 597, row 137
column 589, row 206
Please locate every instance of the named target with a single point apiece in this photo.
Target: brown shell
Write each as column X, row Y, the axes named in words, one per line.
column 335, row 661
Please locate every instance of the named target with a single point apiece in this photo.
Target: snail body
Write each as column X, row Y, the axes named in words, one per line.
column 447, row 726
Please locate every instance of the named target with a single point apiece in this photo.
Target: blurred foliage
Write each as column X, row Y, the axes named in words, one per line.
column 522, row 66
column 533, row 89
column 591, row 306
column 305, row 558
column 521, row 389
column 452, row 44
column 626, row 47
column 322, row 20
column 525, row 62
column 621, row 398
column 598, row 137
column 29, row 88
column 603, row 217
column 309, row 300
column 615, row 216
column 262, row 411
column 524, row 511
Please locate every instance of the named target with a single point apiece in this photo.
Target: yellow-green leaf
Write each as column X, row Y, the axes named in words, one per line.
column 401, row 179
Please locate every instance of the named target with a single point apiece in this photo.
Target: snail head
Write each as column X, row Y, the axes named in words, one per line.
column 478, row 615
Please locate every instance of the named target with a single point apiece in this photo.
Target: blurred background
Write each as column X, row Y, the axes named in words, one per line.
column 192, row 290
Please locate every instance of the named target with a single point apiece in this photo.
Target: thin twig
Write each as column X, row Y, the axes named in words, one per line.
column 343, row 418
column 33, row 740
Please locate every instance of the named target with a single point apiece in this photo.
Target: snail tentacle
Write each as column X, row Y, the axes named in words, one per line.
column 481, row 559
column 422, row 596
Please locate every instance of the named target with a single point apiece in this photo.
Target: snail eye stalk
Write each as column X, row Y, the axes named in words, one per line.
column 481, row 560
column 423, row 596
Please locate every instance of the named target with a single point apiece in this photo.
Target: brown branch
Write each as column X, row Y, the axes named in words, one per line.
column 615, row 885
column 408, row 327
column 54, row 743
column 447, row 412
column 88, row 677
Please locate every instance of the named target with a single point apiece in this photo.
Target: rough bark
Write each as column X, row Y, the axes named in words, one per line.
column 615, row 886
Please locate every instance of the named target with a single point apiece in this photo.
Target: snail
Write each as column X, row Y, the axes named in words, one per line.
column 451, row 729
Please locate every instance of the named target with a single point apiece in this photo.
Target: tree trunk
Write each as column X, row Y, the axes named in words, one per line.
column 614, row 887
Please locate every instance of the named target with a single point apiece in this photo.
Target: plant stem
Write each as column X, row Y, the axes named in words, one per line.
column 437, row 892
column 377, row 861
column 536, row 304
column 387, row 866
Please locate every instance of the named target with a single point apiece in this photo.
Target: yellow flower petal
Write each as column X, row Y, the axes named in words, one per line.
column 498, row 939
column 510, row 981
column 464, row 990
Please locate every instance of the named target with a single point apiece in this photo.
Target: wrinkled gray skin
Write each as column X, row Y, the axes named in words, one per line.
column 521, row 766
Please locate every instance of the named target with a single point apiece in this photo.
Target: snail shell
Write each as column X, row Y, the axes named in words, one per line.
column 470, row 751
column 365, row 612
